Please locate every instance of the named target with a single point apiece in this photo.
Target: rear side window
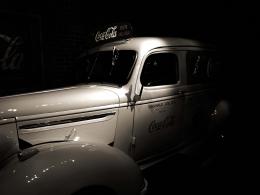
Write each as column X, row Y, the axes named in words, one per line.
column 201, row 67
column 160, row 69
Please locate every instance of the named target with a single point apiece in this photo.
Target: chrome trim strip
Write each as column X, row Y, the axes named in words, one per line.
column 6, row 121
column 64, row 113
column 65, row 121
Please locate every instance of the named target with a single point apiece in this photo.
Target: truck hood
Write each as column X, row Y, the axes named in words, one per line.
column 88, row 97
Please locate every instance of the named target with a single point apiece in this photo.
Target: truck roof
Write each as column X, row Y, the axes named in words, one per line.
column 148, row 43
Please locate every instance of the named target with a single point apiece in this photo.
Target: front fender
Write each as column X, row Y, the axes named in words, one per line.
column 64, row 168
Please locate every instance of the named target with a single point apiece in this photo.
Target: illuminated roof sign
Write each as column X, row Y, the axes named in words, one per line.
column 113, row 32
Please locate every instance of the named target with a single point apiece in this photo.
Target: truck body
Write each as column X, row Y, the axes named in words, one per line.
column 145, row 96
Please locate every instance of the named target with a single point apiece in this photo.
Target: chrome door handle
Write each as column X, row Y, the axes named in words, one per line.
column 180, row 92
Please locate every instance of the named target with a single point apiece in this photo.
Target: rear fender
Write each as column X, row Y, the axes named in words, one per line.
column 219, row 116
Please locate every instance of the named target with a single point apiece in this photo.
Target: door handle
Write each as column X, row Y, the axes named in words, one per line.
column 180, row 92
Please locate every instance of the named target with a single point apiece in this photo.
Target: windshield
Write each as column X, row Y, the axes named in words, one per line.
column 113, row 67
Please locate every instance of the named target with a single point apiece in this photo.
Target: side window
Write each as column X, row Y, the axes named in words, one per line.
column 160, row 69
column 201, row 67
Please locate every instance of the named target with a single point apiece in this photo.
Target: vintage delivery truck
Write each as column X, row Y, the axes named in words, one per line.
column 146, row 96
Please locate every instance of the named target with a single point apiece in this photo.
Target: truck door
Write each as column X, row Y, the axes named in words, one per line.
column 159, row 111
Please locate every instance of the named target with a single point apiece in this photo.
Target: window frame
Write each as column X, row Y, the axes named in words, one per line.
column 178, row 71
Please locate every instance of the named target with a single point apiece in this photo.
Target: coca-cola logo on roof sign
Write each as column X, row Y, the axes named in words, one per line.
column 119, row 31
column 111, row 32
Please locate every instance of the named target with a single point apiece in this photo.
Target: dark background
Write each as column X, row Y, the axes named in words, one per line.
column 54, row 33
